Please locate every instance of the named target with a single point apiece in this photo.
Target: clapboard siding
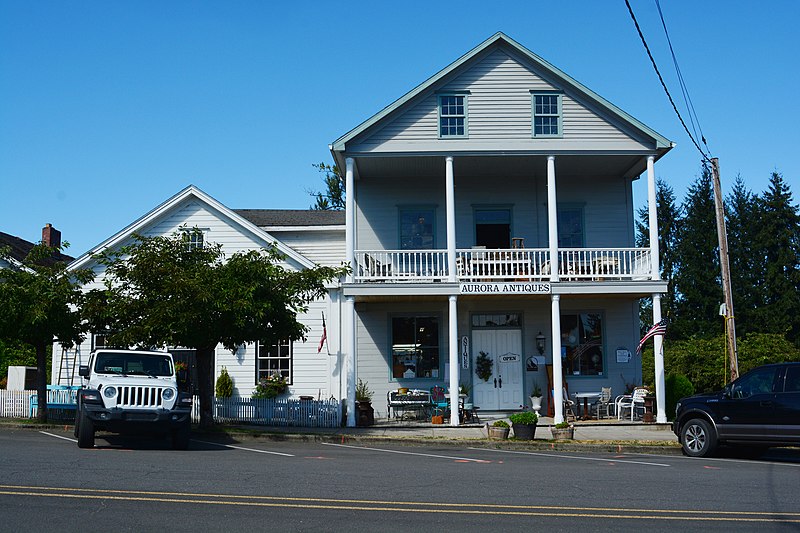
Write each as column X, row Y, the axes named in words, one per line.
column 607, row 210
column 499, row 109
column 325, row 248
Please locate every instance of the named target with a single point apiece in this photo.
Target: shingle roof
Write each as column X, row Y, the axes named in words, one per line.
column 292, row 217
column 20, row 248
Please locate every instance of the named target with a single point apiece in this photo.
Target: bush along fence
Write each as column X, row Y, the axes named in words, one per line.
column 304, row 412
column 265, row 412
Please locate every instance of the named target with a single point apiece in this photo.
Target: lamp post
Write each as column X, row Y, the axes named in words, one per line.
column 540, row 343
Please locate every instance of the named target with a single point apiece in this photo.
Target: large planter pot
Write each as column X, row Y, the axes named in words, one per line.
column 562, row 433
column 498, row 432
column 524, row 431
column 536, row 403
column 365, row 414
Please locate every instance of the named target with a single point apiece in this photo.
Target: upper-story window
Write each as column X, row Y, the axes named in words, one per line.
column 570, row 227
column 546, row 115
column 452, row 115
column 416, row 228
column 193, row 239
column 274, row 358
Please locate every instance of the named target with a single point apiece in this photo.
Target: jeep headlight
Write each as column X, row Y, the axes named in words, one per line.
column 109, row 392
column 169, row 394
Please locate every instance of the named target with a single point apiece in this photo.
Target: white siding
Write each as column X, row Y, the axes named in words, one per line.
column 499, row 115
column 321, row 246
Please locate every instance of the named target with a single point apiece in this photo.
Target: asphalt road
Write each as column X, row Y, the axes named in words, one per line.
column 135, row 484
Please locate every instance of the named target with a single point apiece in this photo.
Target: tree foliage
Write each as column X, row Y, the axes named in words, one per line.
column 161, row 292
column 333, row 198
column 39, row 304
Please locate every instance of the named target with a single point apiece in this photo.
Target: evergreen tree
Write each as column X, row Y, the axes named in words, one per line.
column 697, row 278
column 778, row 237
column 669, row 220
column 743, row 214
column 334, row 196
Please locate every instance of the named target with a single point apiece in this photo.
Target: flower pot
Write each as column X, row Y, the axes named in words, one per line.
column 365, row 415
column 536, row 403
column 437, row 419
column 562, row 433
column 498, row 432
column 524, row 431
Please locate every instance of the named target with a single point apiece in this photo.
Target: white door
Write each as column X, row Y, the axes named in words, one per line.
column 503, row 390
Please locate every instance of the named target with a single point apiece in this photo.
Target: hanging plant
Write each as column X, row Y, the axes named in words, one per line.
column 483, row 366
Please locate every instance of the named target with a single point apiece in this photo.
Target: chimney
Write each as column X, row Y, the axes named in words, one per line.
column 51, row 236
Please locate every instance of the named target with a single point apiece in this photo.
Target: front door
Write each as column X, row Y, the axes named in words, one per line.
column 503, row 389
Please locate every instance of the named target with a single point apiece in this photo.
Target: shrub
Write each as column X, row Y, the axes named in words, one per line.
column 500, row 424
column 524, row 417
column 562, row 425
column 363, row 393
column 224, row 388
column 677, row 386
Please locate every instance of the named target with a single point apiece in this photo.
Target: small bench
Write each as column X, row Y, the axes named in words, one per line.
column 61, row 397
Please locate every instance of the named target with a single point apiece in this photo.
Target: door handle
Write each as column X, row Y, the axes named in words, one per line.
column 501, row 382
column 495, row 383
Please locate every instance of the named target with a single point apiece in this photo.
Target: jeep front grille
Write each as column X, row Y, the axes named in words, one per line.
column 143, row 397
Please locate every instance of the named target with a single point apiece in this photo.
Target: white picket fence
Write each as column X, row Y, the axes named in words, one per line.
column 275, row 412
column 235, row 410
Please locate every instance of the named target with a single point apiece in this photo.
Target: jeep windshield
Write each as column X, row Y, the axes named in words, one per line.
column 133, row 364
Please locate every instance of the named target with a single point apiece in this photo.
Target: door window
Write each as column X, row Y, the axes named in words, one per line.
column 759, row 381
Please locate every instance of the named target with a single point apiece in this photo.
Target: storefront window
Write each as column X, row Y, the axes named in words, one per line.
column 415, row 347
column 582, row 337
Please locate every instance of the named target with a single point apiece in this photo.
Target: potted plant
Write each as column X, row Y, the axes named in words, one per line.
column 524, row 424
column 536, row 397
column 562, row 431
column 499, row 430
column 365, row 415
column 270, row 387
column 483, row 366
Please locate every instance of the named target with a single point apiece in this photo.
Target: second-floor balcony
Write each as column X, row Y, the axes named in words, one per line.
column 516, row 264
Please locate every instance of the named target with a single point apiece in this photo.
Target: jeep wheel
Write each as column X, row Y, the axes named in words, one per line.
column 85, row 431
column 698, row 438
column 180, row 437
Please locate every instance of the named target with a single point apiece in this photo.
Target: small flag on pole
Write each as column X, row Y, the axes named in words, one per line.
column 657, row 329
column 324, row 338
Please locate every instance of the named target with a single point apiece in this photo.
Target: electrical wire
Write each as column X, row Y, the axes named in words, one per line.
column 663, row 84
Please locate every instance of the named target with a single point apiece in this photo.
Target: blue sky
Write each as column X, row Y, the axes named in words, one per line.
column 109, row 108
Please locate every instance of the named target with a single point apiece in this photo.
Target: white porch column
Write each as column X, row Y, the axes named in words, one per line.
column 652, row 217
column 350, row 216
column 658, row 352
column 552, row 218
column 452, row 339
column 558, row 372
column 451, row 219
column 350, row 358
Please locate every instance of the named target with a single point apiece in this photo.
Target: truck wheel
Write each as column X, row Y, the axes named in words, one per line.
column 180, row 437
column 84, row 427
column 698, row 438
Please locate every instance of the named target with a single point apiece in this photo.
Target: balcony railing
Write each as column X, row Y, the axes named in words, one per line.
column 523, row 264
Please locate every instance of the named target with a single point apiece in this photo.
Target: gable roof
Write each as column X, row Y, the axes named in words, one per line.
column 293, row 217
column 501, row 39
column 20, row 248
column 190, row 192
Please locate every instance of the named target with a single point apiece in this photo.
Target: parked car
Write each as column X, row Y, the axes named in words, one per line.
column 758, row 410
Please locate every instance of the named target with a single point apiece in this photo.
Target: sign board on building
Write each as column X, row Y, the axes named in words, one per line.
column 464, row 352
column 515, row 287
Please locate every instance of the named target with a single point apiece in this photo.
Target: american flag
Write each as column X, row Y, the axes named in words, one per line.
column 657, row 329
column 324, row 338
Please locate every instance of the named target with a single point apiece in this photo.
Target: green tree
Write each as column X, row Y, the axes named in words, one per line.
column 669, row 220
column 161, row 292
column 778, row 239
column 39, row 304
column 15, row 353
column 334, row 196
column 697, row 279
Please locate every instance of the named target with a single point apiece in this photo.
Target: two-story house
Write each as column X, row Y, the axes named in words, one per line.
column 490, row 225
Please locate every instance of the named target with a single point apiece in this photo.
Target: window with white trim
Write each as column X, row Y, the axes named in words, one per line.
column 546, row 115
column 452, row 115
column 274, row 358
column 193, row 239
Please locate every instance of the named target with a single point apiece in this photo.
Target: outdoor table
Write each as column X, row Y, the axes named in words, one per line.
column 414, row 400
column 586, row 396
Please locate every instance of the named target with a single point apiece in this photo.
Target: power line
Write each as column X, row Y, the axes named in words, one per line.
column 663, row 84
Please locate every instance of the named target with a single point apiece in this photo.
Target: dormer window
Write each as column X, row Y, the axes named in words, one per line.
column 452, row 116
column 547, row 114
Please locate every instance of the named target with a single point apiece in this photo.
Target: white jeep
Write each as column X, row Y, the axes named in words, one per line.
column 128, row 391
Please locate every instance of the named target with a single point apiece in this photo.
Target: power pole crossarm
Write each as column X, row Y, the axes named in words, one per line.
column 722, row 235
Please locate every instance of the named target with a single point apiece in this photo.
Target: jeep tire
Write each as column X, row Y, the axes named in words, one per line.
column 698, row 438
column 84, row 429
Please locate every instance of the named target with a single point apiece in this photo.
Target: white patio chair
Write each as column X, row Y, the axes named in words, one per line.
column 633, row 402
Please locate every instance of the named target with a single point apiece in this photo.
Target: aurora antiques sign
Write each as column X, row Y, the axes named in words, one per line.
column 505, row 288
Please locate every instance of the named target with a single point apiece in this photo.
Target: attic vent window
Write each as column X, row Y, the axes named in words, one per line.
column 452, row 116
column 547, row 115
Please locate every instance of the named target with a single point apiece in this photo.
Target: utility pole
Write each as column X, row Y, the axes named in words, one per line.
column 722, row 235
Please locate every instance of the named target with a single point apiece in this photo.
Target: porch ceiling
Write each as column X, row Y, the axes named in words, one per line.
column 598, row 166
